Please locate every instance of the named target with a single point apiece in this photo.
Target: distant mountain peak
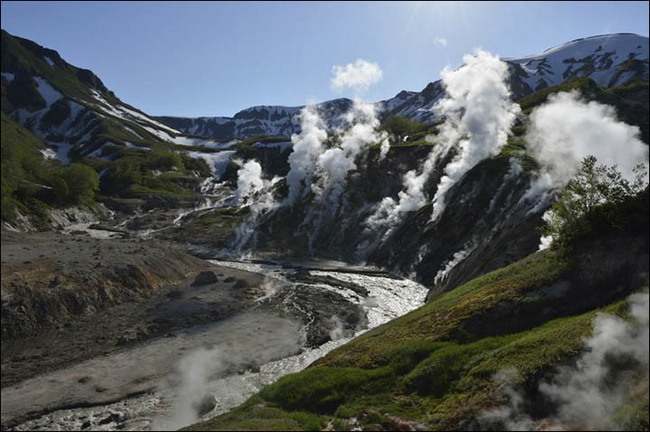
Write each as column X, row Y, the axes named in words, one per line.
column 609, row 59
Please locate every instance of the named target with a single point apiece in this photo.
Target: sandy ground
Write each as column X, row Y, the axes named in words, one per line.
column 147, row 366
column 119, row 350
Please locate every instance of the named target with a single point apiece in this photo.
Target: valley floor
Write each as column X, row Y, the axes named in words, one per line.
column 103, row 321
column 62, row 357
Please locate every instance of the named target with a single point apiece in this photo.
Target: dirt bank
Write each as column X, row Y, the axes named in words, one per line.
column 68, row 298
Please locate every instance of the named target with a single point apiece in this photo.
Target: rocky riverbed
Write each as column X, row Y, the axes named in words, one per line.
column 125, row 333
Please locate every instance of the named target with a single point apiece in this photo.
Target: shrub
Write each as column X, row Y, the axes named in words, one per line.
column 597, row 193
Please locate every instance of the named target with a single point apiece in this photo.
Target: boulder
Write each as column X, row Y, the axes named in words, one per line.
column 205, row 278
column 204, row 405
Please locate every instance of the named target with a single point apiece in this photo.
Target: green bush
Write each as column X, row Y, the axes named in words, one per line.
column 82, row 182
column 165, row 160
column 597, row 194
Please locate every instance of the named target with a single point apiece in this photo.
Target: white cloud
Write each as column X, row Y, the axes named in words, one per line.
column 440, row 41
column 358, row 76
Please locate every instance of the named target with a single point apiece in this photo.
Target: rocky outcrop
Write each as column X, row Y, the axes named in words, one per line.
column 49, row 278
column 204, row 278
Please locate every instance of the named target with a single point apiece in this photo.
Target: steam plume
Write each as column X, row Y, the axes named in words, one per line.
column 588, row 394
column 478, row 116
column 355, row 138
column 307, row 147
column 566, row 129
column 389, row 214
column 249, row 181
column 247, row 347
column 257, row 192
column 324, row 171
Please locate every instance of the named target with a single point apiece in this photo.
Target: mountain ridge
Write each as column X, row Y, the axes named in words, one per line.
column 417, row 105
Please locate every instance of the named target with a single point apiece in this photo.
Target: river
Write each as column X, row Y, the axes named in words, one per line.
column 213, row 362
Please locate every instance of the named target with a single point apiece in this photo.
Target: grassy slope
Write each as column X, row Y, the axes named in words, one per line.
column 23, row 169
column 427, row 366
column 26, row 58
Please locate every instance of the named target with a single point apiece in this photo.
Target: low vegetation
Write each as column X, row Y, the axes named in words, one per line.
column 31, row 183
column 597, row 200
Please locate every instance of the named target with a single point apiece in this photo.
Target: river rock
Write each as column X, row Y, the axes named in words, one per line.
column 205, row 278
column 204, row 405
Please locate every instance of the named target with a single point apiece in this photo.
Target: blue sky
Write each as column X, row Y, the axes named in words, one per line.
column 216, row 58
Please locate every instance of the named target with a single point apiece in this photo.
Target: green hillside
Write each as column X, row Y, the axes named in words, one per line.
column 438, row 367
column 31, row 182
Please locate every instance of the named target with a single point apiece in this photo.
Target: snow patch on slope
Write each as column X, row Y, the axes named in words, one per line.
column 47, row 92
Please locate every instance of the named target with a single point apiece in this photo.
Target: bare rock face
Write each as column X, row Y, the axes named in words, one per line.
column 205, row 278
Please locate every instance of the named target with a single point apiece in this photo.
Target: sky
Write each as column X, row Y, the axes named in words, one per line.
column 216, row 58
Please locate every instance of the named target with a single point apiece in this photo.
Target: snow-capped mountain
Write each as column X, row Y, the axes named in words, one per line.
column 78, row 116
column 610, row 60
column 257, row 120
column 72, row 110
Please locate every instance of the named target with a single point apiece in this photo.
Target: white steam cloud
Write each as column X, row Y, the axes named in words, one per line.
column 324, row 171
column 458, row 256
column 358, row 76
column 355, row 138
column 612, row 372
column 389, row 214
column 249, row 181
column 478, row 116
column 308, row 145
column 256, row 192
column 566, row 129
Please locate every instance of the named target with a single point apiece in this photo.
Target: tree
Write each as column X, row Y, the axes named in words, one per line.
column 596, row 193
column 125, row 173
column 82, row 182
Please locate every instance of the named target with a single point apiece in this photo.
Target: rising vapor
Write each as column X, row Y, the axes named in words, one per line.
column 566, row 129
column 611, row 373
column 322, row 170
column 249, row 181
column 308, row 145
column 355, row 138
column 256, row 192
column 247, row 348
column 478, row 116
